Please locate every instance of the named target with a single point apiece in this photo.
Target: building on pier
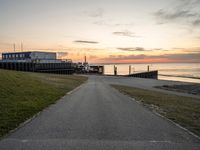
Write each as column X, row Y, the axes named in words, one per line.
column 36, row 62
column 34, row 56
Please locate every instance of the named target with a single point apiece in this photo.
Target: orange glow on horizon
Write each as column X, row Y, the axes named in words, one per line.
column 150, row 61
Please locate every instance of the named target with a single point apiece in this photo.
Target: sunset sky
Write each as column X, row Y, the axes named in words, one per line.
column 106, row 31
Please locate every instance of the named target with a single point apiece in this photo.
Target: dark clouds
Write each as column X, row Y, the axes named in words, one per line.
column 174, row 15
column 183, row 57
column 185, row 11
column 86, row 42
column 132, row 49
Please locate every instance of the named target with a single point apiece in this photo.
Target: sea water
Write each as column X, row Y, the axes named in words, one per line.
column 187, row 72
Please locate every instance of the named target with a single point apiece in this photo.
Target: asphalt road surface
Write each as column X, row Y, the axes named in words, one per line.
column 95, row 117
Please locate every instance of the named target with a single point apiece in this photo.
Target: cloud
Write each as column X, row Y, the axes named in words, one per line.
column 174, row 15
column 178, row 48
column 106, row 23
column 198, row 37
column 196, row 22
column 187, row 50
column 98, row 17
column 182, row 57
column 140, row 49
column 184, row 11
column 111, row 23
column 132, row 49
column 192, row 50
column 86, row 42
column 125, row 33
column 126, row 57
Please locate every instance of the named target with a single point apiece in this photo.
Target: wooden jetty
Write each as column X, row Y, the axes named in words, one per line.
column 149, row 74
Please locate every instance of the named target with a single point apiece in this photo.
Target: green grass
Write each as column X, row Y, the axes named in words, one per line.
column 182, row 110
column 23, row 94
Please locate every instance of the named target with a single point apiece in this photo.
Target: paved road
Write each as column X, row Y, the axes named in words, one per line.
column 146, row 84
column 96, row 117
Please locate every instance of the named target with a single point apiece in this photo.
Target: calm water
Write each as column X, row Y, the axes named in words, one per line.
column 187, row 72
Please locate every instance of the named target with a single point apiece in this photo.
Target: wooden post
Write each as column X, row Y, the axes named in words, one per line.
column 115, row 70
column 129, row 69
column 148, row 68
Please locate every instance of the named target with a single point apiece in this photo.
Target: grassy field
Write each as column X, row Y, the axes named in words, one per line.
column 23, row 94
column 182, row 110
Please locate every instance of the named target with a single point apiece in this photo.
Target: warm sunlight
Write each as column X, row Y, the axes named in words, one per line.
column 101, row 29
column 99, row 74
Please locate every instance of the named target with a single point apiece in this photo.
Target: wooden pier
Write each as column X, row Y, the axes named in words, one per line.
column 149, row 74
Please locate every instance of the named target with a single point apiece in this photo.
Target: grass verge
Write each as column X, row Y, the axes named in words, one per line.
column 182, row 110
column 23, row 94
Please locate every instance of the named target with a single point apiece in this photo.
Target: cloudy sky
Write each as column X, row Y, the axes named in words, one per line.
column 107, row 31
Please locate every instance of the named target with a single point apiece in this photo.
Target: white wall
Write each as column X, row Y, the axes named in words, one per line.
column 43, row 55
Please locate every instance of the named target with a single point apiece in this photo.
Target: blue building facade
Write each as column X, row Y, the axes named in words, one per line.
column 16, row 56
column 34, row 56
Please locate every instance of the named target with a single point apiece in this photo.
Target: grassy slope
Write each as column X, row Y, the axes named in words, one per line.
column 24, row 94
column 182, row 110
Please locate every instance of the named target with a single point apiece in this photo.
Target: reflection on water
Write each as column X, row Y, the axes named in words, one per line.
column 179, row 79
column 186, row 72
